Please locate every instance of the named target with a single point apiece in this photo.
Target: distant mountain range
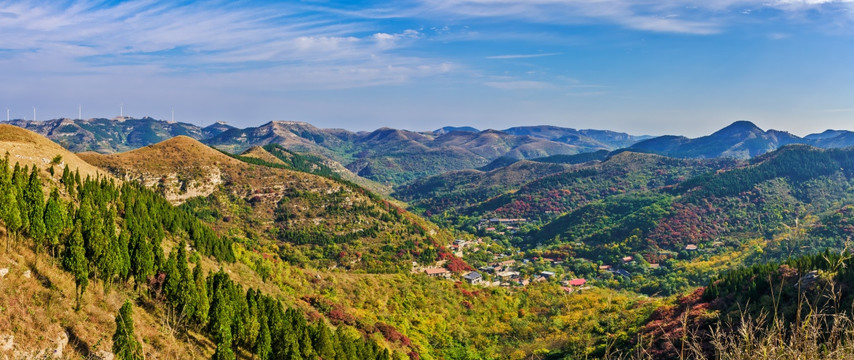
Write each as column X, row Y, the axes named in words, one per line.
column 740, row 140
column 388, row 156
column 115, row 135
column 394, row 156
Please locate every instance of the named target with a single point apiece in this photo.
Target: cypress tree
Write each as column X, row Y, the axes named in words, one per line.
column 9, row 208
column 202, row 301
column 346, row 349
column 322, row 341
column 172, row 286
column 221, row 324
column 54, row 220
column 74, row 260
column 264, row 346
column 14, row 220
column 125, row 345
column 34, row 197
column 142, row 265
column 304, row 340
column 188, row 296
column 124, row 261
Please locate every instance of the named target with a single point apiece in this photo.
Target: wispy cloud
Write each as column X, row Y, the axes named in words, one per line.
column 208, row 37
column 520, row 56
column 519, row 85
column 670, row 16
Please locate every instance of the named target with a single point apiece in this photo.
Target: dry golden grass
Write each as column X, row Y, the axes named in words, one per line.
column 29, row 148
column 259, row 153
column 37, row 310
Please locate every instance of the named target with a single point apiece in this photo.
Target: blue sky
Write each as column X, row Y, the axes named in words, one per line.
column 644, row 67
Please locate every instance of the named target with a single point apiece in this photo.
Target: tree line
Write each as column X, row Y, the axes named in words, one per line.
column 101, row 231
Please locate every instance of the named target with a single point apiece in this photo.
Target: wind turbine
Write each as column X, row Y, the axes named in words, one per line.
column 34, row 113
column 122, row 110
column 79, row 112
column 173, row 114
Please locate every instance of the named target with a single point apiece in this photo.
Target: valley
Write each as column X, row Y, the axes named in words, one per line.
column 530, row 242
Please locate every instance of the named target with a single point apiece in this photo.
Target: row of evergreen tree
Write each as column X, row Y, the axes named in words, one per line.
column 797, row 163
column 104, row 232
column 234, row 318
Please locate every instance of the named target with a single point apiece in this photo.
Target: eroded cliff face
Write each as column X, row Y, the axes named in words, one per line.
column 176, row 186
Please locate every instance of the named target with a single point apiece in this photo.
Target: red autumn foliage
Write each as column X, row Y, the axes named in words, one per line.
column 666, row 324
column 456, row 264
column 391, row 334
column 336, row 313
column 338, row 316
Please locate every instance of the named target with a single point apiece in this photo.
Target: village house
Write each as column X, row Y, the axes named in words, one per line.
column 507, row 263
column 473, row 277
column 623, row 273
column 437, row 272
column 548, row 274
column 487, row 269
column 690, row 247
column 628, row 259
column 508, row 274
column 578, row 282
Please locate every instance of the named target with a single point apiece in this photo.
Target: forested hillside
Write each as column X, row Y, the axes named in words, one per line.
column 308, row 219
column 273, row 254
column 195, row 293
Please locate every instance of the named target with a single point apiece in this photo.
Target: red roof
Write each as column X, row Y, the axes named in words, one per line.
column 435, row 271
column 577, row 282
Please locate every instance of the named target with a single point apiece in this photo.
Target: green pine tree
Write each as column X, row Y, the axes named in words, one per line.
column 74, row 260
column 200, row 316
column 142, row 265
column 54, row 220
column 125, row 345
column 322, row 341
column 264, row 346
column 221, row 316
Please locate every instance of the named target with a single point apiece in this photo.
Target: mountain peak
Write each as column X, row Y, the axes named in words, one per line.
column 741, row 126
column 448, row 129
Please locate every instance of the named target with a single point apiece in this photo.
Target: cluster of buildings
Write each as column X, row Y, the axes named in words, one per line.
column 504, row 273
column 509, row 224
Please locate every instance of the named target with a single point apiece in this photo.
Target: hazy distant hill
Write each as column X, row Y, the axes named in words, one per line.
column 447, row 129
column 741, row 140
column 603, row 139
column 395, row 156
column 115, row 135
column 388, row 156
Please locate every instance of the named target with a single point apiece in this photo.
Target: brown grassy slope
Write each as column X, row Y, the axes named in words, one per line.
column 28, row 148
column 244, row 197
column 184, row 168
column 38, row 311
column 258, row 152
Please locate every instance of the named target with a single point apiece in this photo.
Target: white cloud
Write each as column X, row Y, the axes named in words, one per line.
column 518, row 85
column 520, row 56
column 700, row 17
column 209, row 37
